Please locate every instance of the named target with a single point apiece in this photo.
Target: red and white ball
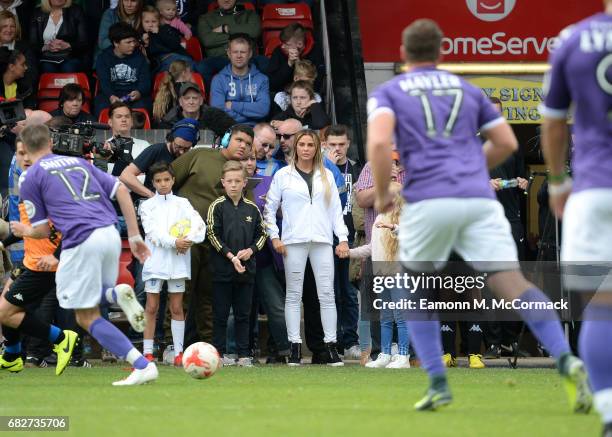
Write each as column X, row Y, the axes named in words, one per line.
column 201, row 360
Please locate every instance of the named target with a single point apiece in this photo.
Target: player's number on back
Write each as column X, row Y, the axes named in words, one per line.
column 84, row 194
column 601, row 71
column 430, row 123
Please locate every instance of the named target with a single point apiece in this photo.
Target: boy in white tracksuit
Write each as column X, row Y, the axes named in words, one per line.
column 171, row 226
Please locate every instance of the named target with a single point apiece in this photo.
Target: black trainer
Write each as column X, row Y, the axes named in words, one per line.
column 333, row 359
column 295, row 357
column 492, row 352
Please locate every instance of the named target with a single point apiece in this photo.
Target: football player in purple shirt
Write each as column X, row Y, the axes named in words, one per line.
column 581, row 72
column 76, row 197
column 435, row 117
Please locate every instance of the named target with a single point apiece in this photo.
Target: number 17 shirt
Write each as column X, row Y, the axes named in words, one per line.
column 70, row 192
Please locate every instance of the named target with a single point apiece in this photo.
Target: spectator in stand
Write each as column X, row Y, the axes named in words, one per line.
column 303, row 70
column 162, row 42
column 304, row 107
column 22, row 9
column 11, row 37
column 16, row 83
column 167, row 96
column 71, row 104
column 191, row 105
column 20, row 163
column 236, row 232
column 126, row 11
column 59, row 34
column 215, row 29
column 123, row 71
column 265, row 139
column 181, row 138
column 293, row 49
column 169, row 15
column 240, row 89
column 197, row 178
column 310, row 202
column 336, row 145
column 285, row 132
column 249, row 164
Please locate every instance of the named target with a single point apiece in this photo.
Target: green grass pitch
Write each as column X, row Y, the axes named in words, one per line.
column 309, row 401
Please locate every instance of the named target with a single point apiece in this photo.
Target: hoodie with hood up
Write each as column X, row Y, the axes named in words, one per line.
column 249, row 94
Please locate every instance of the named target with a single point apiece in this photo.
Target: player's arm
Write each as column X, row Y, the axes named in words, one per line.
column 500, row 144
column 380, row 139
column 137, row 245
column 38, row 232
column 129, row 176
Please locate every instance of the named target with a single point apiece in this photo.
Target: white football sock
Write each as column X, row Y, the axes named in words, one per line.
column 147, row 346
column 109, row 295
column 603, row 404
column 178, row 334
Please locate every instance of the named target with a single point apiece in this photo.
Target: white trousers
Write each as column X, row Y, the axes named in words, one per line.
column 322, row 261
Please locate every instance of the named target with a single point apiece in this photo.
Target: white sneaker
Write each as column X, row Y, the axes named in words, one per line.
column 245, row 362
column 352, row 353
column 381, row 361
column 132, row 309
column 399, row 362
column 227, row 361
column 140, row 376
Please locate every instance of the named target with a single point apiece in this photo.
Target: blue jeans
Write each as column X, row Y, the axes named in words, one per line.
column 347, row 305
column 271, row 295
column 387, row 317
column 71, row 65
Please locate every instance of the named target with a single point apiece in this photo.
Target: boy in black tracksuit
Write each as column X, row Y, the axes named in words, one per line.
column 236, row 232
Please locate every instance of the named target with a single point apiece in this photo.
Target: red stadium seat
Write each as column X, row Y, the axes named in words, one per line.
column 272, row 41
column 194, row 49
column 197, row 78
column 103, row 118
column 278, row 16
column 50, row 84
column 215, row 5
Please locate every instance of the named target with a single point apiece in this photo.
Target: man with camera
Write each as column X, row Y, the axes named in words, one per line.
column 181, row 138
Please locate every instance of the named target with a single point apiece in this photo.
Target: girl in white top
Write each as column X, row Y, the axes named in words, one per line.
column 383, row 248
column 171, row 226
column 312, row 213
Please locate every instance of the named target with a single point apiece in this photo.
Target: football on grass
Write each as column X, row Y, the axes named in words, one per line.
column 201, row 360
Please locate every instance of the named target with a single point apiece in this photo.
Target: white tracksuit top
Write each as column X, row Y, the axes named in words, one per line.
column 158, row 214
column 304, row 219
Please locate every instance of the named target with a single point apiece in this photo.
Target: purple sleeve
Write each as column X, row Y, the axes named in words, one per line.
column 557, row 100
column 488, row 115
column 108, row 183
column 379, row 102
column 31, row 195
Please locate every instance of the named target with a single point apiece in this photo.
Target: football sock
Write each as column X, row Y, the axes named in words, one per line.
column 34, row 327
column 425, row 337
column 114, row 340
column 544, row 323
column 448, row 334
column 474, row 337
column 108, row 297
column 147, row 346
column 56, row 335
column 178, row 334
column 12, row 344
column 595, row 350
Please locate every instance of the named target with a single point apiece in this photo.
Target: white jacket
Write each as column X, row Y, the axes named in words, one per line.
column 158, row 215
column 304, row 219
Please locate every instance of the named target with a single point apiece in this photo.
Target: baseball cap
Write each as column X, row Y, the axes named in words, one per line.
column 186, row 86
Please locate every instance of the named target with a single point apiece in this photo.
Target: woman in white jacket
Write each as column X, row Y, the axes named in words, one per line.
column 312, row 213
column 171, row 226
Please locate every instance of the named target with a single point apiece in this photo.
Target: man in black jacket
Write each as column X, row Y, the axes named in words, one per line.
column 235, row 231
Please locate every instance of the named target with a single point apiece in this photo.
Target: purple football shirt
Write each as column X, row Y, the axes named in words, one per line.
column 581, row 72
column 437, row 117
column 70, row 192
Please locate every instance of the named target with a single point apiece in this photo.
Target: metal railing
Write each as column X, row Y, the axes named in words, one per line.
column 330, row 105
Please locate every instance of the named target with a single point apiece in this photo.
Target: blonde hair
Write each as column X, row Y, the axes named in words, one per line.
column 136, row 22
column 148, row 9
column 166, row 96
column 317, row 160
column 233, row 166
column 45, row 5
column 8, row 15
column 304, row 67
column 389, row 240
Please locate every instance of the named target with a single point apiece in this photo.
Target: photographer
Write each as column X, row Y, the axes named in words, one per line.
column 181, row 138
